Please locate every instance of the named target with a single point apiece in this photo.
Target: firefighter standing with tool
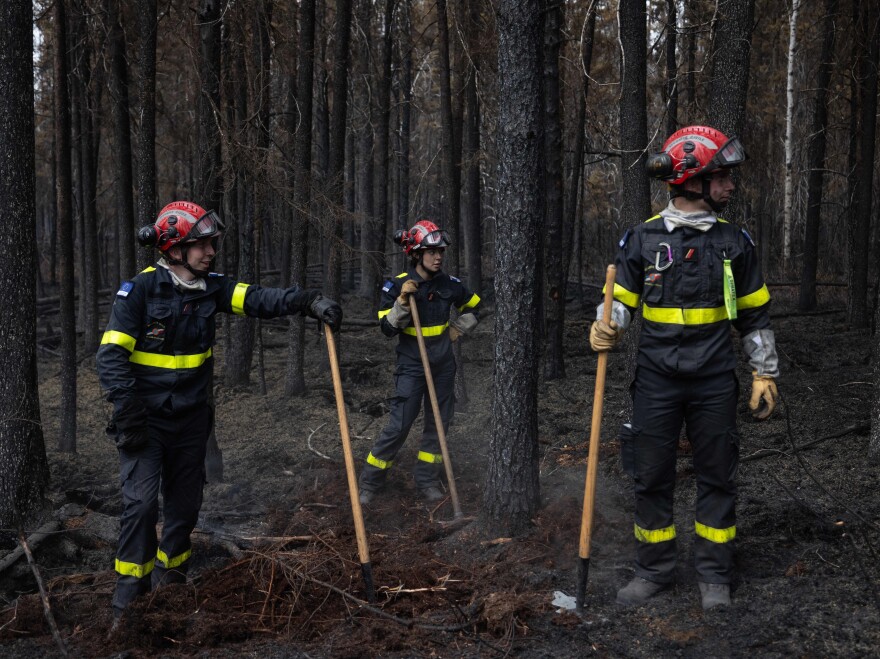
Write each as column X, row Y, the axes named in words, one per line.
column 434, row 293
column 694, row 275
column 155, row 363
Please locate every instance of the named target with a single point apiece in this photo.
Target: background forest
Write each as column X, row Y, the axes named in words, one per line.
column 317, row 128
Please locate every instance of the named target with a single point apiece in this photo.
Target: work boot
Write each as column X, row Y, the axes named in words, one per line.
column 114, row 626
column 638, row 591
column 431, row 493
column 714, row 594
column 366, row 496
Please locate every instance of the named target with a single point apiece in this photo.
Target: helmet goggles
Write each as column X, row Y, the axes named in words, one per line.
column 729, row 155
column 434, row 240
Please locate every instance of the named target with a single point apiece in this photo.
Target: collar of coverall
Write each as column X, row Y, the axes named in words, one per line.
column 700, row 220
column 198, row 284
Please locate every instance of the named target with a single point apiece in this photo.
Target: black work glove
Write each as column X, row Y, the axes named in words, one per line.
column 129, row 425
column 327, row 311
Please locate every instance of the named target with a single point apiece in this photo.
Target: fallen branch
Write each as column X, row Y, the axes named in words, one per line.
column 312, row 448
column 36, row 538
column 767, row 452
column 44, row 598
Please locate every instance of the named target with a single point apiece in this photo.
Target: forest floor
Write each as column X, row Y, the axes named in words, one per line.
column 275, row 569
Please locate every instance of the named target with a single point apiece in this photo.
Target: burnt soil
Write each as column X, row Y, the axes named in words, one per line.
column 275, row 567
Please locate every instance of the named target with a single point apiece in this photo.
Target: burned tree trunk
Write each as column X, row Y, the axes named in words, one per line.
column 816, row 162
column 24, row 470
column 555, row 256
column 472, row 238
column 299, row 233
column 64, row 199
column 122, row 131
column 335, row 177
column 448, row 165
column 512, row 491
column 146, row 143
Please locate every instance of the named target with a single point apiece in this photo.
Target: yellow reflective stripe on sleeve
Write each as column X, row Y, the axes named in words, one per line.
column 237, row 302
column 383, row 313
column 470, row 304
column 401, row 275
column 758, row 298
column 150, row 268
column 675, row 316
column 175, row 561
column 133, row 569
column 119, row 338
column 433, row 330
column 376, row 462
column 719, row 536
column 621, row 294
column 169, row 361
column 433, row 458
column 655, row 536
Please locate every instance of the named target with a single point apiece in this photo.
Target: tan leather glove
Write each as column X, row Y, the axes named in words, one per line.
column 764, row 394
column 455, row 333
column 409, row 287
column 604, row 336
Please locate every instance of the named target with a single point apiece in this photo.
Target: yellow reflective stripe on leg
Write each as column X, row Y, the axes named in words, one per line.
column 471, row 303
column 237, row 302
column 656, row 535
column 376, row 462
column 173, row 362
column 175, row 561
column 134, row 569
column 433, row 330
column 119, row 338
column 715, row 535
column 433, row 458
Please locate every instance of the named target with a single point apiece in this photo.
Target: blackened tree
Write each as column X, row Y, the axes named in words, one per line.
column 24, row 471
column 512, row 492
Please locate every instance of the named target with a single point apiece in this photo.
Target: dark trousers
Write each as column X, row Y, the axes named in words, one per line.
column 174, row 459
column 708, row 406
column 411, row 397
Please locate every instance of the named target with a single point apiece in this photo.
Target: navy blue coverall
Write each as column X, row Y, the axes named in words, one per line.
column 685, row 374
column 433, row 300
column 158, row 349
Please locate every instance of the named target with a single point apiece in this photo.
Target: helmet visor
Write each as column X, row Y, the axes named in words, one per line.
column 730, row 154
column 439, row 238
column 209, row 226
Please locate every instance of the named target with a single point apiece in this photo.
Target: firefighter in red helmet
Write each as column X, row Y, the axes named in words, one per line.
column 693, row 275
column 434, row 293
column 155, row 364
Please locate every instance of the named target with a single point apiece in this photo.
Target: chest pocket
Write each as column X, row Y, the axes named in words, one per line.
column 658, row 271
column 200, row 326
column 158, row 327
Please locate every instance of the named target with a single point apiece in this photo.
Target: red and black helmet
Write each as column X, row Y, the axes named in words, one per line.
column 424, row 235
column 181, row 223
column 695, row 151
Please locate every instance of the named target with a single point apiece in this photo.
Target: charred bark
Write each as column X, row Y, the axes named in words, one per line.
column 299, row 234
column 145, row 24
column 24, row 470
column 512, row 491
column 816, row 161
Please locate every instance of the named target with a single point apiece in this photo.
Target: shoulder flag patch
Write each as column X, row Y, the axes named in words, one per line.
column 387, row 286
column 623, row 240
column 126, row 288
column 455, row 279
column 748, row 237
